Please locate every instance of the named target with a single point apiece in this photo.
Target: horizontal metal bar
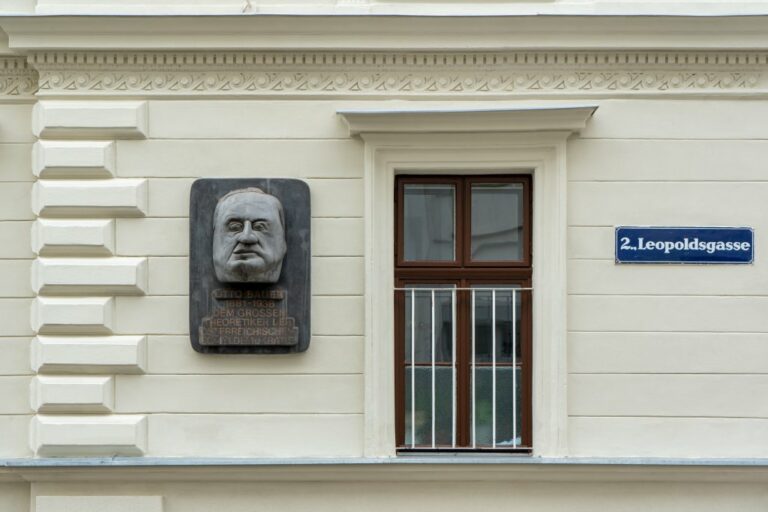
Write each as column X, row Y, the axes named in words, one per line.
column 462, row 289
column 448, row 364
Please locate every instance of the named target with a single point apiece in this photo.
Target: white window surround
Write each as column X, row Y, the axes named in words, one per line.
column 520, row 140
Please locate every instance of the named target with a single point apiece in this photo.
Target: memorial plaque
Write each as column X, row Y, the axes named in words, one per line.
column 249, row 279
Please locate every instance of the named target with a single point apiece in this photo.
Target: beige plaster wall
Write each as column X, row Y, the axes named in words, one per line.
column 664, row 361
column 667, row 360
column 15, row 291
column 282, row 406
column 422, row 495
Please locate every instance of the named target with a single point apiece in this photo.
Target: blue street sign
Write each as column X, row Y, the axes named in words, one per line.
column 684, row 245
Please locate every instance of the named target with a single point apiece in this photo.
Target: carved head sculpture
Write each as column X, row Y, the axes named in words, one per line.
column 248, row 237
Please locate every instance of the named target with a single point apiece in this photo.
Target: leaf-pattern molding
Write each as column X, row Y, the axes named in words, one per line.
column 400, row 74
column 17, row 79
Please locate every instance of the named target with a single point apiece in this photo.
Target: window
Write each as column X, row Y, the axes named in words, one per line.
column 529, row 139
column 463, row 313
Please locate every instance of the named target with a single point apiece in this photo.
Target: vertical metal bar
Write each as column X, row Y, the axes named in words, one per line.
column 493, row 366
column 433, row 367
column 453, row 366
column 474, row 369
column 514, row 367
column 413, row 367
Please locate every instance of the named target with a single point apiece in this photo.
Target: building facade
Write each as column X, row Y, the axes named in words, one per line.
column 474, row 341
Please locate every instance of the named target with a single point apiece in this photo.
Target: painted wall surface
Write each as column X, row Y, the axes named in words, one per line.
column 666, row 360
column 98, row 151
column 380, row 496
column 16, row 293
column 663, row 360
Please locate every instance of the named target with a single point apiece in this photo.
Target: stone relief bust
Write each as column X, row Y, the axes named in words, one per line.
column 248, row 237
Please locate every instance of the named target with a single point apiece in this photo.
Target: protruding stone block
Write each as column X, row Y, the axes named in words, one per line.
column 81, row 315
column 90, row 198
column 73, row 159
column 73, row 394
column 73, row 237
column 90, row 119
column 89, row 354
column 98, row 503
column 111, row 276
column 105, row 436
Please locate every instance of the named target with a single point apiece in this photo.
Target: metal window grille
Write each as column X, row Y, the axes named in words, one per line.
column 431, row 366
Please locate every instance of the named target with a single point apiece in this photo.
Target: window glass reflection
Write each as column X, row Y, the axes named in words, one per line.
column 422, row 312
column 497, row 222
column 507, row 333
column 429, row 222
column 418, row 419
column 508, row 406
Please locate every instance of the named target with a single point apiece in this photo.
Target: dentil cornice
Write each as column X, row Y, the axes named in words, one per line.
column 18, row 81
column 400, row 74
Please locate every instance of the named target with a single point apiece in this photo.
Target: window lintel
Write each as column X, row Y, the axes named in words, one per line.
column 526, row 118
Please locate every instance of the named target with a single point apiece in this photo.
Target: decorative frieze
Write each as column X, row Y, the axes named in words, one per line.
column 18, row 80
column 398, row 74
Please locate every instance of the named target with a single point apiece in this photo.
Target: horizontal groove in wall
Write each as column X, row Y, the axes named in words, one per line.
column 308, row 415
column 676, row 181
column 255, row 139
column 258, row 374
column 347, row 139
column 736, row 333
column 669, row 373
column 670, row 295
column 182, row 217
column 679, row 139
column 756, row 418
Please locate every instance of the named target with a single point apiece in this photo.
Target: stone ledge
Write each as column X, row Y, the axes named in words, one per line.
column 73, row 159
column 72, row 394
column 89, row 354
column 76, row 237
column 110, row 435
column 81, row 315
column 421, row 468
column 89, row 119
column 90, row 198
column 90, row 276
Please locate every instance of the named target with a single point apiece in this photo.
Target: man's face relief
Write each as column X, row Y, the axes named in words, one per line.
column 248, row 238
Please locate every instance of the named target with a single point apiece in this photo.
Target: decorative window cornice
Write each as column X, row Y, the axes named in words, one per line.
column 401, row 74
column 563, row 118
column 18, row 81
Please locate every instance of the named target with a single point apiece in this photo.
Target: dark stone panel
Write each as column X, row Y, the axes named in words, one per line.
column 250, row 318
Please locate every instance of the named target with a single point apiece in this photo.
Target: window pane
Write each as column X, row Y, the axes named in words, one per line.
column 421, row 343
column 497, row 221
column 507, row 334
column 508, row 433
column 418, row 419
column 428, row 222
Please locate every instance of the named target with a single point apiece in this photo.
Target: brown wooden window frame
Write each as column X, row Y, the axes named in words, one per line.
column 464, row 273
